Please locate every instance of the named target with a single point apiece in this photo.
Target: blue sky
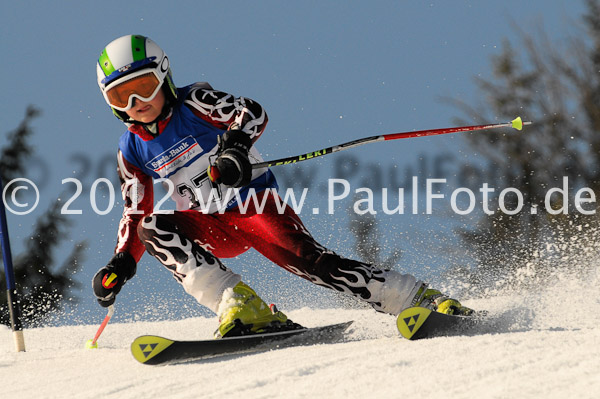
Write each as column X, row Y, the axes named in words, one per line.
column 326, row 71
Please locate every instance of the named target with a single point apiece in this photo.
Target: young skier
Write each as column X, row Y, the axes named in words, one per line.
column 200, row 141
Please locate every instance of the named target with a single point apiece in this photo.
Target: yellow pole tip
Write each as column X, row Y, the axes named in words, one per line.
column 90, row 344
column 517, row 123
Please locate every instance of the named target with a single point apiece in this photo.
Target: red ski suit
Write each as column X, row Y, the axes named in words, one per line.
column 278, row 235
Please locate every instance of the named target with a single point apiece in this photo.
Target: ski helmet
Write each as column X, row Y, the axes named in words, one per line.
column 133, row 66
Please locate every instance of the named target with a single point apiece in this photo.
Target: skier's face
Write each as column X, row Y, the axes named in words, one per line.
column 146, row 112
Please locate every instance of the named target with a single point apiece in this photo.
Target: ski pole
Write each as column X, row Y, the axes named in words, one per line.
column 14, row 309
column 516, row 123
column 92, row 343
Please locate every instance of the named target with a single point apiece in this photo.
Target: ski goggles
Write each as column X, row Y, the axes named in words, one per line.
column 143, row 85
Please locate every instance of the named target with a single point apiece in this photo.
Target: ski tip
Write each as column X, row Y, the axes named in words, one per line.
column 343, row 326
column 146, row 347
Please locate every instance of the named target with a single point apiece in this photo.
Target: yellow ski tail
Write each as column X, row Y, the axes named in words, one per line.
column 411, row 319
column 146, row 347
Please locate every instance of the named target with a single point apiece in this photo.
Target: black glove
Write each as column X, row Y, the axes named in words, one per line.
column 109, row 280
column 232, row 167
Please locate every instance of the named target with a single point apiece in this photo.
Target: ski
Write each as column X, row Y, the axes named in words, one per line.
column 417, row 323
column 154, row 350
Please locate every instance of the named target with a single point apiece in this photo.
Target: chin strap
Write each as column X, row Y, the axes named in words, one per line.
column 152, row 127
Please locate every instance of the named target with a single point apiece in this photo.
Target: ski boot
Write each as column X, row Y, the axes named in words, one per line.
column 435, row 300
column 242, row 312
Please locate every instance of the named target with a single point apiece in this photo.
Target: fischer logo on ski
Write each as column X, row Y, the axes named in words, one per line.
column 417, row 323
column 147, row 347
column 411, row 322
column 143, row 348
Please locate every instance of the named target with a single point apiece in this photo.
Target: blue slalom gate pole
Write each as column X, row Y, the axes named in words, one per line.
column 11, row 292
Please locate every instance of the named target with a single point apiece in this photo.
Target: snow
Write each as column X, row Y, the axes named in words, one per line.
column 544, row 343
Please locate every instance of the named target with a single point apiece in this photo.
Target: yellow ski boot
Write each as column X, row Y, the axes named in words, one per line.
column 435, row 300
column 242, row 312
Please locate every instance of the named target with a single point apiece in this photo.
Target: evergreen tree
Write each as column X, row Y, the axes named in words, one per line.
column 42, row 287
column 368, row 243
column 557, row 86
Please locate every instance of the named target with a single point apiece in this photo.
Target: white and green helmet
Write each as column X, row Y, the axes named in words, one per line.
column 128, row 54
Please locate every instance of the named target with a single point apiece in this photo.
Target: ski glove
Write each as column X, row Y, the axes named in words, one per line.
column 232, row 166
column 109, row 280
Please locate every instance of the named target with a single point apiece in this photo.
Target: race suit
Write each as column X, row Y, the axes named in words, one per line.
column 204, row 227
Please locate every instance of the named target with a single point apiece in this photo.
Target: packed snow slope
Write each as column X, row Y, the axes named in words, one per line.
column 543, row 344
